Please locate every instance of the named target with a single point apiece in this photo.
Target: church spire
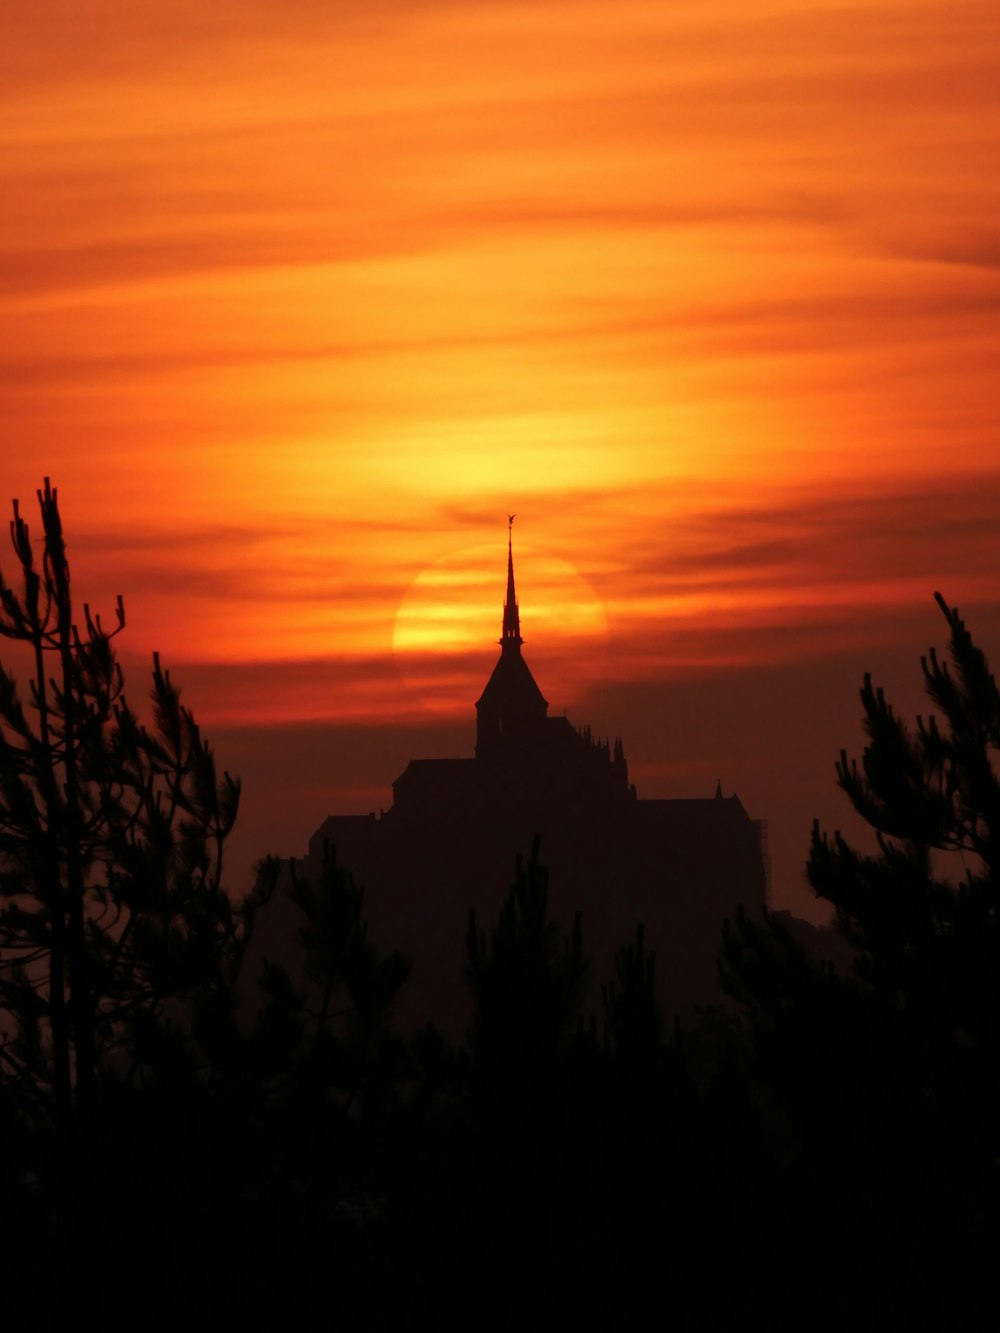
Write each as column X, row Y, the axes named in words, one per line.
column 511, row 636
column 510, row 712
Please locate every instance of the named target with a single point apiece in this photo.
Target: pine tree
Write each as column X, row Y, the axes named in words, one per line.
column 337, row 1029
column 526, row 983
column 116, row 933
column 882, row 1083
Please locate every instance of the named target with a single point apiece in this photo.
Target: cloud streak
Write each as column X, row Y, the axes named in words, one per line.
column 298, row 302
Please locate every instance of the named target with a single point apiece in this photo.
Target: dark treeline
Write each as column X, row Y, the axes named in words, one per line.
column 182, row 1145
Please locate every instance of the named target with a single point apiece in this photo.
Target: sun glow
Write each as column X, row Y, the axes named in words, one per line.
column 452, row 612
column 710, row 288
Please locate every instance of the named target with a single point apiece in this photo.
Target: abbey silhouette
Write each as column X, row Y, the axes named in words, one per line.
column 456, row 826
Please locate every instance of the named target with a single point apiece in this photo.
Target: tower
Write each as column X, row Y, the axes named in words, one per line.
column 511, row 710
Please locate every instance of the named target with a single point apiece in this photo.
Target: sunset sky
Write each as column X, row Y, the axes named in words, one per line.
column 300, row 300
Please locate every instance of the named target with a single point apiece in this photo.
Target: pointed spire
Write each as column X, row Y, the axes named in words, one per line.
column 511, row 635
column 718, row 790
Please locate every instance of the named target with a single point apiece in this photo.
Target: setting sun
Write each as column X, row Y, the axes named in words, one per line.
column 452, row 612
column 297, row 311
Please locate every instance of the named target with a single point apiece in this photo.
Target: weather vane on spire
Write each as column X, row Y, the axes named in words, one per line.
column 510, row 521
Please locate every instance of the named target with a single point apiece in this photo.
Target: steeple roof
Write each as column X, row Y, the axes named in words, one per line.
column 511, row 700
column 512, row 690
column 511, row 617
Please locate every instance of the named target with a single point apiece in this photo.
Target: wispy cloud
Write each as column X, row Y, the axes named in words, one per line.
column 300, row 301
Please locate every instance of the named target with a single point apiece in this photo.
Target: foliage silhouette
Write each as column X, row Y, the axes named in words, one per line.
column 119, row 949
column 847, row 1127
column 111, row 851
column 526, row 984
column 882, row 1084
column 338, row 1030
column 634, row 1020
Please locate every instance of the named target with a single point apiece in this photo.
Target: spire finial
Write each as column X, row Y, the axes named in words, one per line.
column 511, row 634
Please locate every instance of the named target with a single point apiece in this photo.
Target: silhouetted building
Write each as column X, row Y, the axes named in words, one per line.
column 456, row 826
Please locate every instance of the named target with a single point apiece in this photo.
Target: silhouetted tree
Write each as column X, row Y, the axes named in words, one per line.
column 883, row 1084
column 118, row 952
column 635, row 1023
column 526, row 982
column 343, row 1043
column 111, row 843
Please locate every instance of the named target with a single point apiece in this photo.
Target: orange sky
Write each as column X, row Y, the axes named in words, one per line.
column 300, row 300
